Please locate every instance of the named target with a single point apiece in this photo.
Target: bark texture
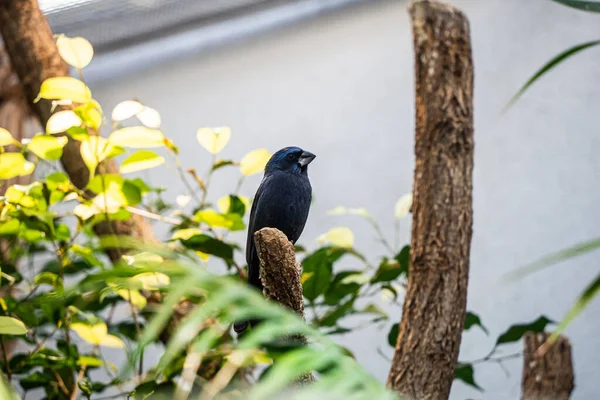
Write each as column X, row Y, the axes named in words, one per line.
column 435, row 304
column 280, row 275
column 549, row 376
column 16, row 118
column 33, row 53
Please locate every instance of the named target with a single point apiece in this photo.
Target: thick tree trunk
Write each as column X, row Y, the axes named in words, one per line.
column 35, row 58
column 549, row 376
column 14, row 117
column 280, row 275
column 435, row 304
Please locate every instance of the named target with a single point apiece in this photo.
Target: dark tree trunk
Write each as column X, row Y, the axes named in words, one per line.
column 435, row 304
column 549, row 376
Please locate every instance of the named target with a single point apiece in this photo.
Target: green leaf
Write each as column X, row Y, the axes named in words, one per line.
column 221, row 163
column 48, row 278
column 584, row 299
column 89, row 361
column 37, row 379
column 473, row 319
column 373, row 309
column 591, row 6
column 10, row 227
column 393, row 335
column 232, row 222
column 99, row 183
column 58, row 181
column 331, row 318
column 321, row 266
column 548, row 66
column 388, row 270
column 47, row 147
column 342, row 285
column 236, row 206
column 465, row 372
column 553, row 258
column 12, row 326
column 209, row 245
column 141, row 160
column 516, row 332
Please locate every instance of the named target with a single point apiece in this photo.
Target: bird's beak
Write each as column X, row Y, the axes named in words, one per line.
column 306, row 158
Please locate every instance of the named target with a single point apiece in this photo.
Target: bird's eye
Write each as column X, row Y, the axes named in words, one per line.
column 290, row 156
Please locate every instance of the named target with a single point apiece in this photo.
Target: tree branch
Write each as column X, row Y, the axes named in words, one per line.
column 435, row 304
column 280, row 274
column 549, row 376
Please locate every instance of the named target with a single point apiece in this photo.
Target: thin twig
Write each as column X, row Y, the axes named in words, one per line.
column 150, row 215
column 4, row 354
column 75, row 386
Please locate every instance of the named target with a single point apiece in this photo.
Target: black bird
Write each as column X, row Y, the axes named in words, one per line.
column 282, row 201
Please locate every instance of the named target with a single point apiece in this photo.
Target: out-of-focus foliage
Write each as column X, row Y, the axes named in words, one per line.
column 579, row 249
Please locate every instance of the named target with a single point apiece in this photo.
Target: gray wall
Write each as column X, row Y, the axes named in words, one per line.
column 342, row 87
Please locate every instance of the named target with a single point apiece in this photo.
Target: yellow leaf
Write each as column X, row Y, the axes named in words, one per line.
column 47, row 147
column 340, row 237
column 340, row 210
column 254, row 162
column 140, row 160
column 185, row 234
column 213, row 139
column 84, row 211
column 28, row 168
column 77, row 51
column 403, row 206
column 142, row 257
column 126, row 109
column 212, row 218
column 137, row 137
column 111, row 200
column 65, row 88
column 61, row 121
column 224, row 202
column 6, row 138
column 95, row 150
column 93, row 334
column 14, row 164
column 12, row 326
column 305, row 276
column 137, row 299
column 149, row 117
column 203, row 256
column 112, row 341
column 152, row 280
column 91, row 114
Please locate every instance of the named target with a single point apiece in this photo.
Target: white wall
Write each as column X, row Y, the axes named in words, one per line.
column 342, row 87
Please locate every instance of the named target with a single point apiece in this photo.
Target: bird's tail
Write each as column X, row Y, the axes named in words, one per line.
column 240, row 327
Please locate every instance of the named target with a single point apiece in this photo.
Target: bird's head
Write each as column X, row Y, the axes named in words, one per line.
column 290, row 159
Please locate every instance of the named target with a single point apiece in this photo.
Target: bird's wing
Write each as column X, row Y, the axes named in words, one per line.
column 251, row 256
